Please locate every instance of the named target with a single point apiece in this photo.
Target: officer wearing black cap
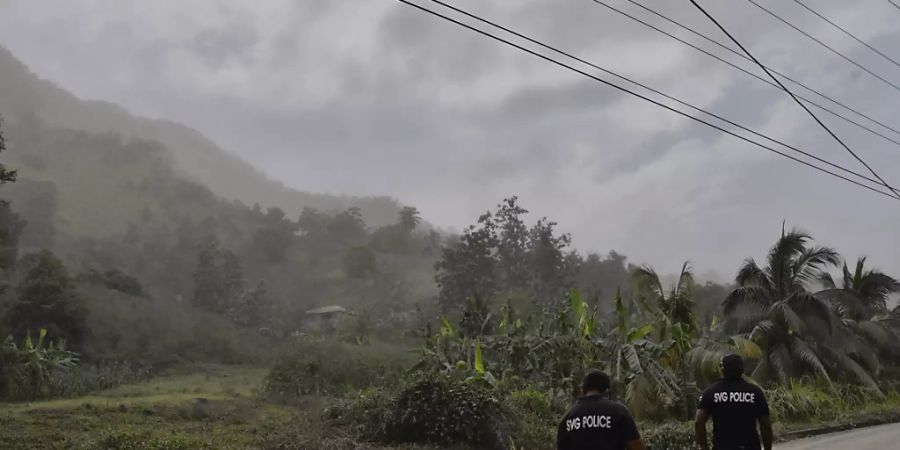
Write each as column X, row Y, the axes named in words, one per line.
column 736, row 406
column 597, row 423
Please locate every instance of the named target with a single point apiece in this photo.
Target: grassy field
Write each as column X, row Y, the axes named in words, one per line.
column 221, row 407
column 205, row 407
column 210, row 406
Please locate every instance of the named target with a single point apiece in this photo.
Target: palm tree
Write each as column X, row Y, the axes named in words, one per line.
column 676, row 307
column 409, row 218
column 862, row 293
column 869, row 329
column 774, row 308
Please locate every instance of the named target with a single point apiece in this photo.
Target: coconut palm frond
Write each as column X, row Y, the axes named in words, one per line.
column 827, row 280
column 743, row 295
column 805, row 354
column 781, row 260
column 783, row 313
column 850, row 366
column 646, row 279
column 751, row 275
column 810, row 264
column 810, row 307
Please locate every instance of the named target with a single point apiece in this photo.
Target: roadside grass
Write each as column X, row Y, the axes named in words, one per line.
column 223, row 407
column 211, row 406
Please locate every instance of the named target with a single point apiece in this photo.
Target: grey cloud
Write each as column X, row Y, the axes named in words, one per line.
column 377, row 98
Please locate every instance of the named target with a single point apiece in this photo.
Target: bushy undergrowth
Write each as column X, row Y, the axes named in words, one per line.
column 433, row 409
column 804, row 402
column 89, row 378
column 331, row 367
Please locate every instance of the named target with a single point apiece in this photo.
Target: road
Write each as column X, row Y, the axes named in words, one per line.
column 882, row 437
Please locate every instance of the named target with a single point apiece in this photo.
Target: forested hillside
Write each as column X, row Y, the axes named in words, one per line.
column 24, row 97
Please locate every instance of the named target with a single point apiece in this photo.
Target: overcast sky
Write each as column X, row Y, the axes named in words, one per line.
column 374, row 97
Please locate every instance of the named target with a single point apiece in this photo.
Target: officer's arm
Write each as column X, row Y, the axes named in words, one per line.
column 636, row 444
column 700, row 420
column 630, row 433
column 765, row 422
column 765, row 432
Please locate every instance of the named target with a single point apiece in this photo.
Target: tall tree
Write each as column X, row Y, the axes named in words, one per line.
column 11, row 226
column 218, row 278
column 347, row 227
column 468, row 267
column 548, row 271
column 6, row 175
column 46, row 298
column 254, row 308
column 409, row 219
column 359, row 262
column 10, row 223
column 677, row 305
column 774, row 306
column 275, row 235
column 512, row 244
column 868, row 329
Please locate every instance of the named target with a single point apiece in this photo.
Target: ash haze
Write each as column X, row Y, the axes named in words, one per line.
column 371, row 97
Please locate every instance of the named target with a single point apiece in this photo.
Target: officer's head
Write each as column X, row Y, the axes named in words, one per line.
column 732, row 366
column 595, row 382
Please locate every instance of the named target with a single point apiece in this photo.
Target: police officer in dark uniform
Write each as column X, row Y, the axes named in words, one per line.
column 736, row 406
column 597, row 423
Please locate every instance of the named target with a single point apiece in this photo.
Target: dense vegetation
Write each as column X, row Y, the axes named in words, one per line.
column 120, row 276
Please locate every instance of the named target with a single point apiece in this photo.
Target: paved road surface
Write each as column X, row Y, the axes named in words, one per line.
column 884, row 437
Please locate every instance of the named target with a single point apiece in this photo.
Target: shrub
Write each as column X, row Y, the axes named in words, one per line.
column 26, row 371
column 801, row 402
column 537, row 414
column 331, row 367
column 669, row 436
column 433, row 409
column 85, row 379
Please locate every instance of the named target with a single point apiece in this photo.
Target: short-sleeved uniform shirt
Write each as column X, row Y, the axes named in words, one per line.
column 735, row 406
column 596, row 423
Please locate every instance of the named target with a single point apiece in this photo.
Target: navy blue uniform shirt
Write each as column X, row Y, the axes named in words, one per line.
column 735, row 405
column 596, row 423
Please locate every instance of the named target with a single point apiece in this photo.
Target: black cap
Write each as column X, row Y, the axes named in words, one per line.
column 732, row 366
column 595, row 381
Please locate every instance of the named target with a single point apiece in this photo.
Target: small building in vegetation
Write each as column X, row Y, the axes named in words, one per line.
column 325, row 318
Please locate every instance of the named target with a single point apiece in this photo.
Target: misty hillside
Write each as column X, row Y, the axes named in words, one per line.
column 24, row 97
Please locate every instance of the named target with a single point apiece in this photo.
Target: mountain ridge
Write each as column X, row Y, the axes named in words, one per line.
column 24, row 96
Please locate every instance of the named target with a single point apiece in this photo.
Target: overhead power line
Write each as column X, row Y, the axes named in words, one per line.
column 808, row 111
column 643, row 97
column 896, row 5
column 751, row 74
column 828, row 47
column 805, row 6
column 741, row 55
column 644, row 86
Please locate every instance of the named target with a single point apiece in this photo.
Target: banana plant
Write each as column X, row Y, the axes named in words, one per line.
column 33, row 363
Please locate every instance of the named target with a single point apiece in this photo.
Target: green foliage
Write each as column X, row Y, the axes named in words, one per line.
column 26, row 371
column 218, row 278
column 409, row 219
column 500, row 254
column 89, row 378
column 331, row 367
column 11, row 226
column 114, row 279
column 6, row 175
column 359, row 262
column 275, row 235
column 431, row 409
column 46, row 298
